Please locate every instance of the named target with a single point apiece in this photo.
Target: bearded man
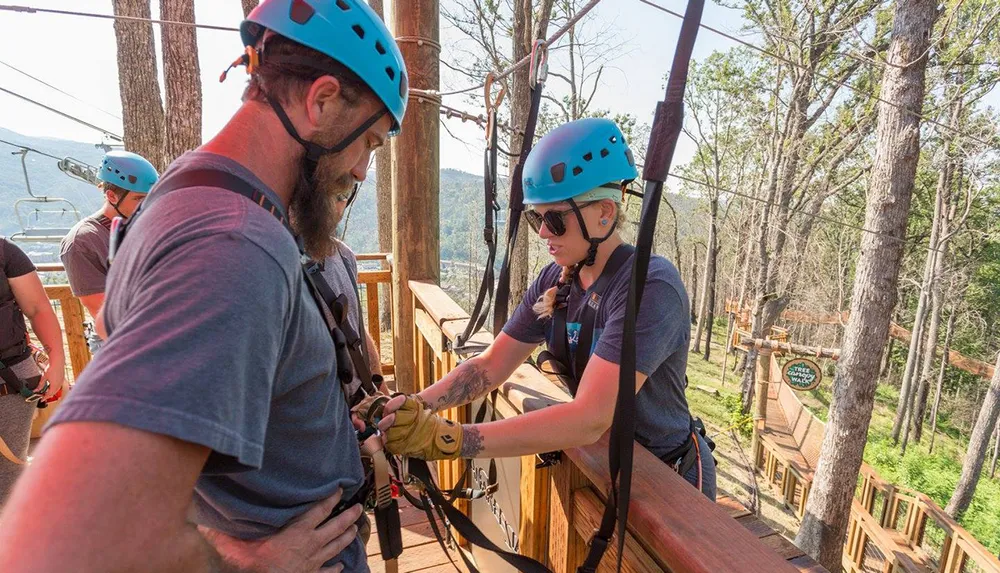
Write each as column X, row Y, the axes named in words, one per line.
column 214, row 410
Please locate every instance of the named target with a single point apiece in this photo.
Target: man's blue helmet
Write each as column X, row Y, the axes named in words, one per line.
column 575, row 158
column 346, row 30
column 130, row 171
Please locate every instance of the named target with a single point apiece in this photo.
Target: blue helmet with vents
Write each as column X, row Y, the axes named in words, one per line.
column 130, row 171
column 575, row 158
column 348, row 31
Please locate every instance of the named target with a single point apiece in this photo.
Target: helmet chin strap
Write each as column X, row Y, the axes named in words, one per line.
column 594, row 243
column 115, row 207
column 314, row 150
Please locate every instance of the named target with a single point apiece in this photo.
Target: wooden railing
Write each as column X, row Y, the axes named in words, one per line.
column 671, row 526
column 891, row 528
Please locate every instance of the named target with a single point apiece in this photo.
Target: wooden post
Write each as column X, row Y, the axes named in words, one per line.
column 763, row 382
column 566, row 548
column 415, row 174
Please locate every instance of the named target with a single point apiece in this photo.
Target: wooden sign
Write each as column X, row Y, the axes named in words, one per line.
column 801, row 374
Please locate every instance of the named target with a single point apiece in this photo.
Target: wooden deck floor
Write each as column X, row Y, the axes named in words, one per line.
column 422, row 553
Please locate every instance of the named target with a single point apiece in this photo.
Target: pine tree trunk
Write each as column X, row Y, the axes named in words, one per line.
column 890, row 190
column 996, row 450
column 708, row 293
column 181, row 79
column 975, row 455
column 940, row 381
column 249, row 5
column 883, row 371
column 913, row 355
column 694, row 283
column 711, row 308
column 383, row 200
column 142, row 108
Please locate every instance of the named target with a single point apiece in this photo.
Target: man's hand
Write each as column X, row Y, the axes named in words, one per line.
column 301, row 546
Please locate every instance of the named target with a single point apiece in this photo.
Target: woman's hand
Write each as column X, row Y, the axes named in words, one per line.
column 53, row 372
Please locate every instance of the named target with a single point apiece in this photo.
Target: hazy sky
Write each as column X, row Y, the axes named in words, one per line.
column 78, row 55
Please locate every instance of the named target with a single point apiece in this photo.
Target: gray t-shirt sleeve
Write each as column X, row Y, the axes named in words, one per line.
column 185, row 358
column 524, row 325
column 84, row 258
column 661, row 326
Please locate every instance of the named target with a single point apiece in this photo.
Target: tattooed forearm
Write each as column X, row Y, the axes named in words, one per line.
column 468, row 382
column 472, row 442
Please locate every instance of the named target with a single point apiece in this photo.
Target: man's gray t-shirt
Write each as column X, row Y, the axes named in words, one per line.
column 214, row 339
column 84, row 254
column 662, row 337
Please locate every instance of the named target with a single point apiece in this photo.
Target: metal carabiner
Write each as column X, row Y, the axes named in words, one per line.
column 492, row 105
column 539, row 68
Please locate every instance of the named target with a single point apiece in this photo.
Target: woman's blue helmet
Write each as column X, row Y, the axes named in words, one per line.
column 575, row 158
column 130, row 171
column 347, row 31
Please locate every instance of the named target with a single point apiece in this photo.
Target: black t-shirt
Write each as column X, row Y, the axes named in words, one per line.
column 14, row 263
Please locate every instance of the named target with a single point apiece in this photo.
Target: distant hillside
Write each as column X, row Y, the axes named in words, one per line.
column 46, row 180
column 461, row 200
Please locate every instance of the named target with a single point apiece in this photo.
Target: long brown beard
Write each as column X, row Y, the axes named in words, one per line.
column 313, row 210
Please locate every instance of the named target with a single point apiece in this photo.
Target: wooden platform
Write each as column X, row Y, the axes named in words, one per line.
column 422, row 553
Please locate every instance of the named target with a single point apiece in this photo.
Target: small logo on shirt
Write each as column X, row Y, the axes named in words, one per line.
column 595, row 301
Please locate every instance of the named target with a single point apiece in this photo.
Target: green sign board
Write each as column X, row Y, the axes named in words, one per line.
column 801, row 374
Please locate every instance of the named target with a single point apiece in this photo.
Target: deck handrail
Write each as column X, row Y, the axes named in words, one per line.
column 671, row 524
column 959, row 543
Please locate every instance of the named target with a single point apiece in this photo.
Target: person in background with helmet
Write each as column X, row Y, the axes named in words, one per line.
column 574, row 180
column 126, row 178
column 214, row 406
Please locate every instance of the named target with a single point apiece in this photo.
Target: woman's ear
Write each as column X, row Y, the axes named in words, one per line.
column 609, row 210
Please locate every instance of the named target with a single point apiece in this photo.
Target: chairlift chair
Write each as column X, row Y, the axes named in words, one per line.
column 30, row 211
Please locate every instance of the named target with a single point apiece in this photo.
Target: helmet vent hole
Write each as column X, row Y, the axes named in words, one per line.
column 343, row 5
column 359, row 31
column 577, row 170
column 604, row 153
column 391, row 73
column 301, row 12
column 613, row 139
column 558, row 172
column 588, row 156
column 379, row 48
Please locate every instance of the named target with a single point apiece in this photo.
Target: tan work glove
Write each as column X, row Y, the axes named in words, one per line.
column 418, row 433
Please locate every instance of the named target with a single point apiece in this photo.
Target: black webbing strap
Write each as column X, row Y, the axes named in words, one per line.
column 491, row 208
column 662, row 142
column 591, row 302
column 573, row 363
column 464, row 525
column 514, row 209
column 337, row 306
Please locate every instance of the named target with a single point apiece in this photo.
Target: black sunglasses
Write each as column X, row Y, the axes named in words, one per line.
column 554, row 220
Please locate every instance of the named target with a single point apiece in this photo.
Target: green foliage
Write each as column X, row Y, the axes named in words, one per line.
column 742, row 422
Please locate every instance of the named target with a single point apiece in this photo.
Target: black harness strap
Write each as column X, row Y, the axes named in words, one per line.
column 514, row 209
column 485, row 296
column 662, row 142
column 465, row 527
column 576, row 360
